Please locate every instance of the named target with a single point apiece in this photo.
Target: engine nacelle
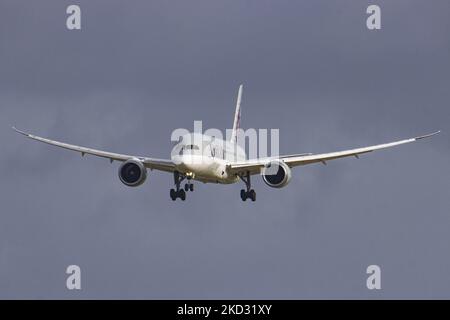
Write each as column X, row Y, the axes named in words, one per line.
column 276, row 174
column 132, row 173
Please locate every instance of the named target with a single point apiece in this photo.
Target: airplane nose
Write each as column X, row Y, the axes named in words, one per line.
column 192, row 163
column 187, row 162
column 186, row 159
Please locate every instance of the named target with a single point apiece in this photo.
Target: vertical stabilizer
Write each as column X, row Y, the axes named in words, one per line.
column 237, row 115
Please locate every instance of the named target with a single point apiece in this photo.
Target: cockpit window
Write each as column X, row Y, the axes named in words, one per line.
column 188, row 147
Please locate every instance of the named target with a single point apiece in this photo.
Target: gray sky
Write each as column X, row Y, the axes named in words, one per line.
column 138, row 70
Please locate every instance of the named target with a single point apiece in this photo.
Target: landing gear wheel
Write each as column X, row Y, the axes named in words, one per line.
column 248, row 192
column 243, row 195
column 252, row 195
column 182, row 194
column 191, row 187
column 178, row 192
column 173, row 194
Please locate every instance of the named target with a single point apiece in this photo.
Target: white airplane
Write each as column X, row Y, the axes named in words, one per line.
column 209, row 163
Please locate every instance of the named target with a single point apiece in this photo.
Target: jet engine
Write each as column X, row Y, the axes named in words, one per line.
column 276, row 174
column 132, row 173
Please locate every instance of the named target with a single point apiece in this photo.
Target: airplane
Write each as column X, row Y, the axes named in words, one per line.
column 208, row 161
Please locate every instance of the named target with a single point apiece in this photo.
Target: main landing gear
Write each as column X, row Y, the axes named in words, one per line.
column 179, row 192
column 249, row 192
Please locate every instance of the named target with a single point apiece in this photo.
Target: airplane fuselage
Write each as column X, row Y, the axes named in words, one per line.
column 204, row 158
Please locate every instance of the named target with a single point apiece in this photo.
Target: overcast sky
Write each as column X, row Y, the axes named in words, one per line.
column 139, row 69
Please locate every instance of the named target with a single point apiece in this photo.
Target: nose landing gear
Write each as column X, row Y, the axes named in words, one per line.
column 248, row 192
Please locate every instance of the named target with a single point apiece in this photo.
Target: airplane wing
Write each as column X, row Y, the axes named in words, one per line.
column 254, row 166
column 151, row 163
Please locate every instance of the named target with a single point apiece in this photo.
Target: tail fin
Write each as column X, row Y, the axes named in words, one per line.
column 237, row 115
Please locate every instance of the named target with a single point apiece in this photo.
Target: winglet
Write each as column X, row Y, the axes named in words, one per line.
column 427, row 135
column 20, row 131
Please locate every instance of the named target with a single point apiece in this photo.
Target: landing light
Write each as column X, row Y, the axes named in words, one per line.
column 190, row 175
